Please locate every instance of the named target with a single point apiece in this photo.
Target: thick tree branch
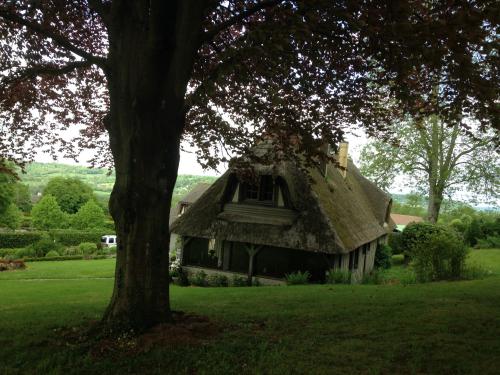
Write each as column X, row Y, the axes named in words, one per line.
column 52, row 70
column 210, row 34
column 58, row 39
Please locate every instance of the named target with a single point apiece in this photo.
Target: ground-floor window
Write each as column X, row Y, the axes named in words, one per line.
column 196, row 252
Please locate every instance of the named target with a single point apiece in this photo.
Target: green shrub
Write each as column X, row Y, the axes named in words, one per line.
column 395, row 242
column 26, row 252
column 47, row 214
column 490, row 242
column 408, row 278
column 8, row 253
column 87, row 248
column 338, row 277
column 61, row 258
column 373, row 277
column 218, row 280
column 44, row 245
column 383, row 256
column 475, row 271
column 89, row 216
column 26, row 222
column 112, row 250
column 440, row 255
column 11, row 217
column 239, row 281
column 72, row 237
column 198, row 279
column 182, row 278
column 18, row 239
column 297, row 278
column 417, row 233
column 51, row 254
column 72, row 250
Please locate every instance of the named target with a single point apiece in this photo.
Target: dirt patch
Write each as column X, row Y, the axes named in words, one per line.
column 186, row 329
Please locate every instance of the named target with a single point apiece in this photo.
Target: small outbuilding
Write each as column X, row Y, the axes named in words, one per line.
column 401, row 221
column 283, row 223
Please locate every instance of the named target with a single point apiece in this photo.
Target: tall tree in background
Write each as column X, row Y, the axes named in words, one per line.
column 70, row 193
column 148, row 73
column 436, row 159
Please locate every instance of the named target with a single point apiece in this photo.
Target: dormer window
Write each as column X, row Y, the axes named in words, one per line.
column 263, row 192
column 268, row 190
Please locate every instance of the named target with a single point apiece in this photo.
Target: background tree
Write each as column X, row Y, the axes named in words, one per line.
column 435, row 158
column 217, row 74
column 70, row 193
column 6, row 191
column 46, row 214
column 89, row 216
column 22, row 197
column 11, row 217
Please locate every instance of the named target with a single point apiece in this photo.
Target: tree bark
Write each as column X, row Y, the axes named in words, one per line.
column 150, row 62
column 434, row 205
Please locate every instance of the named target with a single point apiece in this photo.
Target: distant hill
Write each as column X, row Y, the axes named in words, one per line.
column 38, row 174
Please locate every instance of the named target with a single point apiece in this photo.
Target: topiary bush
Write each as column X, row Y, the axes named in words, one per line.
column 383, row 256
column 297, row 278
column 440, row 255
column 338, row 277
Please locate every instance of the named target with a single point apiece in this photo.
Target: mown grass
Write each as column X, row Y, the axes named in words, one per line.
column 440, row 328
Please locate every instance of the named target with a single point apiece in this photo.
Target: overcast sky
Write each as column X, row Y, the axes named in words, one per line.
column 188, row 163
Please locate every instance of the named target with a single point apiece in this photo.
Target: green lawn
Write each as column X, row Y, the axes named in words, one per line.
column 440, row 328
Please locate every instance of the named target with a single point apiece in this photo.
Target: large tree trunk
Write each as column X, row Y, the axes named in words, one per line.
column 434, row 205
column 151, row 57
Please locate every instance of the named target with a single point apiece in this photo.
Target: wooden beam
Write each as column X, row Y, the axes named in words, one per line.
column 252, row 250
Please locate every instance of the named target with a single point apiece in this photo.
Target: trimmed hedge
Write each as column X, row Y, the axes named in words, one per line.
column 71, row 237
column 67, row 257
column 18, row 240
column 65, row 237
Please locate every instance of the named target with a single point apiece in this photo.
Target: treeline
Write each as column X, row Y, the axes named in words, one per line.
column 64, row 203
column 79, row 194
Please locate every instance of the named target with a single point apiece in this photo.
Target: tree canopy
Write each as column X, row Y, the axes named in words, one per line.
column 47, row 214
column 437, row 159
column 310, row 67
column 89, row 216
column 70, row 193
column 218, row 74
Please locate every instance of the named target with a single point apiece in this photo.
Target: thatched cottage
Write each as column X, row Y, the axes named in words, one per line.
column 181, row 207
column 284, row 223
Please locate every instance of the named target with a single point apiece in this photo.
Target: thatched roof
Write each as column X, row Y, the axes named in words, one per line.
column 188, row 199
column 195, row 193
column 331, row 215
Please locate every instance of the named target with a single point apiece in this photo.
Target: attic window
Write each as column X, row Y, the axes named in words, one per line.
column 263, row 192
column 266, row 191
